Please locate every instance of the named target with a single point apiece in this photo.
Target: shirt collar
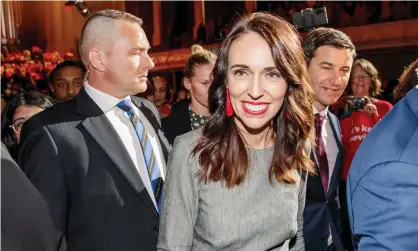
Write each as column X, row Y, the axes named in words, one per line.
column 323, row 112
column 105, row 101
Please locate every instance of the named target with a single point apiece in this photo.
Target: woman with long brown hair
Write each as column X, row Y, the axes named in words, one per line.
column 239, row 182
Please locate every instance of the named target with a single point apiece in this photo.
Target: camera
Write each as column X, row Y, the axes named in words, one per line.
column 308, row 19
column 358, row 103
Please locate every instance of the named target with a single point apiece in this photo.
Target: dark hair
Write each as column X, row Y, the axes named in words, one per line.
column 407, row 81
column 31, row 98
column 326, row 36
column 371, row 71
column 67, row 63
column 222, row 152
column 198, row 57
column 167, row 87
column 110, row 14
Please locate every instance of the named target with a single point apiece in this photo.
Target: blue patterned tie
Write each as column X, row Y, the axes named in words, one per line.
column 152, row 165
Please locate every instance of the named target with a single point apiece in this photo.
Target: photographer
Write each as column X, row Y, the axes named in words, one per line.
column 359, row 112
column 362, row 110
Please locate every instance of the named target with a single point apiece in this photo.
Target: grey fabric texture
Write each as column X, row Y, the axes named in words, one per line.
column 256, row 215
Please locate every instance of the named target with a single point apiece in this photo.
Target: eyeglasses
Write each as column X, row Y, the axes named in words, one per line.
column 17, row 127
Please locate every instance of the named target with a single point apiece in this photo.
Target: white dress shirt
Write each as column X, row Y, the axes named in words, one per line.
column 331, row 148
column 126, row 131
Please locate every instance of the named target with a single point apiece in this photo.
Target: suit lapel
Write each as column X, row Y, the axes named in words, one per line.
column 114, row 148
column 338, row 162
column 315, row 180
column 336, row 172
column 165, row 146
column 99, row 127
column 336, row 131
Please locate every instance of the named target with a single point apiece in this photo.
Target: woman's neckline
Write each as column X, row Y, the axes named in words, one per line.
column 260, row 149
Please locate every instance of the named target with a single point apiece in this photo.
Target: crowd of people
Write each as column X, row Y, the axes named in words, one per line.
column 254, row 153
column 340, row 14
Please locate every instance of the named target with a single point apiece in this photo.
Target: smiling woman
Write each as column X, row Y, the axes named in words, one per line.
column 364, row 83
column 256, row 87
column 245, row 172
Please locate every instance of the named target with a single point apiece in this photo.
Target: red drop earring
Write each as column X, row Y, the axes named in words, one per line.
column 228, row 106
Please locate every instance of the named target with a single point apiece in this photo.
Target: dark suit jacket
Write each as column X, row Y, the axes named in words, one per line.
column 322, row 210
column 26, row 222
column 75, row 158
column 178, row 122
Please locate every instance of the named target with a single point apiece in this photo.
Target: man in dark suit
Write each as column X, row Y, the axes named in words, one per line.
column 330, row 54
column 382, row 185
column 99, row 159
column 26, row 223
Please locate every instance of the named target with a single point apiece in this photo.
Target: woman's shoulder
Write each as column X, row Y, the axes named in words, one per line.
column 189, row 139
column 383, row 103
column 181, row 155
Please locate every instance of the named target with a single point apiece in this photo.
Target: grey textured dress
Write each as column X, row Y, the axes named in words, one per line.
column 256, row 215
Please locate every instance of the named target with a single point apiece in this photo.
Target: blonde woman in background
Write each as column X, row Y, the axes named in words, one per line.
column 191, row 114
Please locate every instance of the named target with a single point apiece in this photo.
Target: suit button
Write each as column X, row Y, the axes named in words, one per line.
column 155, row 230
column 324, row 237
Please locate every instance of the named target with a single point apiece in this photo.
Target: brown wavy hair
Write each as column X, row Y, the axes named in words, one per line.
column 371, row 71
column 407, row 81
column 221, row 149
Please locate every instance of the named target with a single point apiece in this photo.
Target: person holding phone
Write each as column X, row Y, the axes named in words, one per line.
column 362, row 110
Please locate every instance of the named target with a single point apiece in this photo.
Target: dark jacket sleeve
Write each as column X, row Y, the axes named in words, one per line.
column 39, row 159
column 26, row 220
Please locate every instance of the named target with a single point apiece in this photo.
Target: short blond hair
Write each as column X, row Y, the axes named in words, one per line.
column 92, row 34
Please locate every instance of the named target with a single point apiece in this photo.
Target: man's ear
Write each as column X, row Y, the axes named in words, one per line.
column 187, row 84
column 97, row 59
